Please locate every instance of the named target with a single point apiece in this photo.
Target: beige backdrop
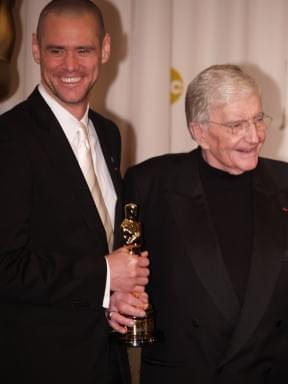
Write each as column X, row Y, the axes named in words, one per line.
column 150, row 37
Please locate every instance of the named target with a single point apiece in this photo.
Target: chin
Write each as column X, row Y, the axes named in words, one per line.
column 248, row 162
column 248, row 167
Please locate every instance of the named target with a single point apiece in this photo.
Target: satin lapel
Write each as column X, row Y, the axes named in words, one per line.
column 58, row 149
column 268, row 251
column 189, row 208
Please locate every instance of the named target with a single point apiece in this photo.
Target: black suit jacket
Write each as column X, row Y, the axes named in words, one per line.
column 52, row 246
column 208, row 337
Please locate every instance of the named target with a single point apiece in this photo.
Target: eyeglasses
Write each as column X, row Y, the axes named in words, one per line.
column 241, row 127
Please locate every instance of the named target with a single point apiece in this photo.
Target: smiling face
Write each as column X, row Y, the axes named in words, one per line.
column 70, row 55
column 221, row 149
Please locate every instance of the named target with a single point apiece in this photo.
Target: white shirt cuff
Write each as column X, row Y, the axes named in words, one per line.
column 106, row 300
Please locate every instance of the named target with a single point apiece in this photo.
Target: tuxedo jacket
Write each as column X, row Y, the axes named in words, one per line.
column 52, row 246
column 208, row 337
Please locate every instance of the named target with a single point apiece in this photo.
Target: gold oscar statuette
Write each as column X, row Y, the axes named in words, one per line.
column 143, row 330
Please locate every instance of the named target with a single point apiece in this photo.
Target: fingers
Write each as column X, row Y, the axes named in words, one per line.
column 128, row 270
column 140, row 294
column 142, row 276
column 143, row 260
column 120, row 323
column 141, row 281
column 139, row 289
column 123, row 306
column 127, row 312
column 140, row 261
column 129, row 303
column 117, row 322
column 143, row 271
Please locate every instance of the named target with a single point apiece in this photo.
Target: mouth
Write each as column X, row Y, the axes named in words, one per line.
column 71, row 80
column 247, row 150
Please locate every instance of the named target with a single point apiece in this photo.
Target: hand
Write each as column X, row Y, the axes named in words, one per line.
column 128, row 272
column 125, row 304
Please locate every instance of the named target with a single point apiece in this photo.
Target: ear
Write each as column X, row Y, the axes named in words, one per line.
column 106, row 48
column 199, row 134
column 35, row 49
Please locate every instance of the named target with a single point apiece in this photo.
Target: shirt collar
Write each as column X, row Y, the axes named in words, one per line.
column 68, row 122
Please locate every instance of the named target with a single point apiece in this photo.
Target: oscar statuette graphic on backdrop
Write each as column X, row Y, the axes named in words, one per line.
column 143, row 330
column 7, row 40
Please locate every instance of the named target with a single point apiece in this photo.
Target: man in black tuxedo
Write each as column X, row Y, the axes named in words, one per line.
column 60, row 199
column 215, row 224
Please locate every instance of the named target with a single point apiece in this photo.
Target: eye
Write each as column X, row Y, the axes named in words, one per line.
column 259, row 118
column 55, row 51
column 83, row 51
column 236, row 125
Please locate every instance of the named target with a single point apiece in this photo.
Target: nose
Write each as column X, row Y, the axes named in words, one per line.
column 252, row 133
column 71, row 62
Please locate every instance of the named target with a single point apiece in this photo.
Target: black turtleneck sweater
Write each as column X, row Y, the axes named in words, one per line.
column 230, row 204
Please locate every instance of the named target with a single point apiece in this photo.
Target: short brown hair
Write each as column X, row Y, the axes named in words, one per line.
column 71, row 6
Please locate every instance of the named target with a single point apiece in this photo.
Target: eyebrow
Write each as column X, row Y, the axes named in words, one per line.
column 245, row 118
column 54, row 46
column 92, row 47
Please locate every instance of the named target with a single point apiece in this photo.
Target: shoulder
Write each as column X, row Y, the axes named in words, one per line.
column 14, row 113
column 103, row 123
column 276, row 166
column 161, row 169
column 164, row 161
column 146, row 181
column 22, row 115
column 12, row 121
column 278, row 171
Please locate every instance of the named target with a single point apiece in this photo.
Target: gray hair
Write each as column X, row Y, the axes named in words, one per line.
column 215, row 86
column 78, row 7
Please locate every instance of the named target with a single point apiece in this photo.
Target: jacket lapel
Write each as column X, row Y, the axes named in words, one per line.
column 268, row 251
column 198, row 236
column 113, row 165
column 111, row 161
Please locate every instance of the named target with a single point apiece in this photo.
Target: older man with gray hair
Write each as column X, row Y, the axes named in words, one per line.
column 216, row 227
